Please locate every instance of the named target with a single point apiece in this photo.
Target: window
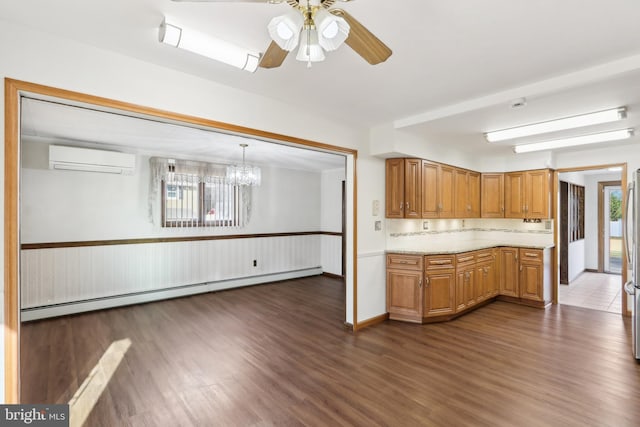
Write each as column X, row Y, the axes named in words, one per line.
column 191, row 201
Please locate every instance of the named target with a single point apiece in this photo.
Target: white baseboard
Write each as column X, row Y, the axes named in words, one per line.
column 44, row 312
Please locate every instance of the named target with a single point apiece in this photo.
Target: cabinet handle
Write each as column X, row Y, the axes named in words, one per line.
column 439, row 206
column 420, row 283
column 407, row 205
column 502, row 209
column 442, row 262
column 520, row 268
column 426, row 281
column 401, row 205
column 530, row 254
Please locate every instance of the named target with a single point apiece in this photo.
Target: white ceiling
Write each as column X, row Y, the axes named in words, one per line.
column 455, row 67
column 46, row 121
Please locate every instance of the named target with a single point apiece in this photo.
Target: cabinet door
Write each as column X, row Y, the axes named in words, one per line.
column 430, row 190
column 412, row 188
column 531, row 280
column 473, row 185
column 470, row 289
column 509, row 272
column 439, row 293
column 461, row 283
column 492, row 195
column 394, row 194
column 493, row 287
column 404, row 295
column 480, row 283
column 446, row 191
column 514, row 198
column 461, row 200
column 537, row 194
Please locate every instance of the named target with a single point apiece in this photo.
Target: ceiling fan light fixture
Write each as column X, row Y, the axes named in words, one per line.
column 285, row 29
column 310, row 50
column 332, row 30
column 204, row 45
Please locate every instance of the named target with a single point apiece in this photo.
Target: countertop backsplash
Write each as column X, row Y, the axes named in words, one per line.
column 417, row 234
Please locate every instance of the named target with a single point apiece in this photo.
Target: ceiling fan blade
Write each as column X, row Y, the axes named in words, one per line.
column 363, row 41
column 273, row 57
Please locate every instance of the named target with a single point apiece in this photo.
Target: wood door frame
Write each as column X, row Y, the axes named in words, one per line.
column 601, row 185
column 13, row 91
column 554, row 210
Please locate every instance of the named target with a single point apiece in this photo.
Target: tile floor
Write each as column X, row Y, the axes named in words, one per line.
column 596, row 291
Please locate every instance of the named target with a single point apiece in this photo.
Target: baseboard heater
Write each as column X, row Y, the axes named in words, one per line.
column 63, row 309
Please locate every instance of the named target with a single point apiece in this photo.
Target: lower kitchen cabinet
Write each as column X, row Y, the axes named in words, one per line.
column 450, row 285
column 439, row 293
column 405, row 294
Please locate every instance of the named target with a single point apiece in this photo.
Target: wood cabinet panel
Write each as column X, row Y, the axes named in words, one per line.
column 538, row 194
column 514, row 197
column 473, row 184
column 461, row 200
column 404, row 295
column 412, row 188
column 394, row 188
column 404, row 262
column 446, row 183
column 439, row 293
column 492, row 195
column 430, row 190
column 508, row 262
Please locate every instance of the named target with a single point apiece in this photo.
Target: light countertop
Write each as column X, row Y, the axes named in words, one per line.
column 460, row 247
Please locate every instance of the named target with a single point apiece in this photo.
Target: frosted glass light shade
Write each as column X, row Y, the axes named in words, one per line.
column 310, row 50
column 285, row 29
column 332, row 30
column 204, row 45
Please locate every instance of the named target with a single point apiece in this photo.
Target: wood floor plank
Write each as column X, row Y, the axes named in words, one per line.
column 278, row 354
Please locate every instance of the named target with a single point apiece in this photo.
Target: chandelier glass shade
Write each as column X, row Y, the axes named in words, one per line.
column 244, row 174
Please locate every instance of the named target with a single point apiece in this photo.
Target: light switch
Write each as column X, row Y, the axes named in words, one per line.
column 376, row 208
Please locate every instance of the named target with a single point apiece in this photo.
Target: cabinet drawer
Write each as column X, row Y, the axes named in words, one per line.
column 484, row 255
column 404, row 262
column 439, row 262
column 465, row 258
column 531, row 255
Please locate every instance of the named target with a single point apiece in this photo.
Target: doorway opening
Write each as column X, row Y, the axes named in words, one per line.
column 591, row 264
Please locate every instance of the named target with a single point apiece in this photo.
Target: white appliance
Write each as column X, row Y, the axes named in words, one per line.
column 631, row 239
column 89, row 160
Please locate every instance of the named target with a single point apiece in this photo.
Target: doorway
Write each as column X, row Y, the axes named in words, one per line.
column 610, row 227
column 590, row 265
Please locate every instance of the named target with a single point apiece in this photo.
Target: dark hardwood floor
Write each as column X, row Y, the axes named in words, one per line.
column 278, row 355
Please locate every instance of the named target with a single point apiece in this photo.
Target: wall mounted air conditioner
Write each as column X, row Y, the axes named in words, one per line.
column 89, row 160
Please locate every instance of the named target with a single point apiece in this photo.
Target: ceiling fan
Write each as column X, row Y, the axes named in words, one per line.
column 315, row 27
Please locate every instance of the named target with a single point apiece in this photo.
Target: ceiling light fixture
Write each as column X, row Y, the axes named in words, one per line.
column 312, row 27
column 573, row 141
column 598, row 117
column 615, row 169
column 244, row 174
column 201, row 44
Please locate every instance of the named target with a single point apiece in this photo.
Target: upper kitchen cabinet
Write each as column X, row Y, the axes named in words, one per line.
column 492, row 195
column 527, row 194
column 467, row 194
column 403, row 188
column 437, row 190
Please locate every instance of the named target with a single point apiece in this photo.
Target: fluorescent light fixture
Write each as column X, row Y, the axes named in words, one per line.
column 615, row 169
column 576, row 140
column 557, row 125
column 204, row 45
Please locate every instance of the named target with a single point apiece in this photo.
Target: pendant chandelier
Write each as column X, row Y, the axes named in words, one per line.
column 244, row 174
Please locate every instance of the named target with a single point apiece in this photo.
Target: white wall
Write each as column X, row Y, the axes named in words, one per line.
column 331, row 219
column 30, row 55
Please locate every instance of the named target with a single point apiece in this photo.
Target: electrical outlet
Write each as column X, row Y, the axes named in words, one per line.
column 255, row 262
column 377, row 225
column 425, row 225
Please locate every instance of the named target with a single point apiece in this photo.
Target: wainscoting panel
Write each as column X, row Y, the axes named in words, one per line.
column 332, row 254
column 63, row 275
